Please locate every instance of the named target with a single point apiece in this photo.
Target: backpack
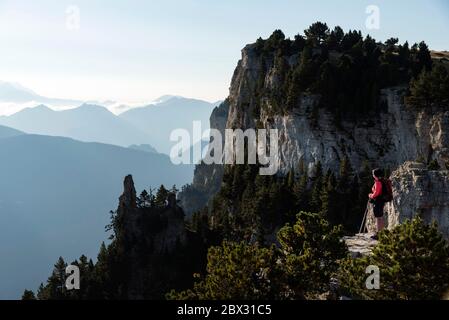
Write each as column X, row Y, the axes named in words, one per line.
column 387, row 190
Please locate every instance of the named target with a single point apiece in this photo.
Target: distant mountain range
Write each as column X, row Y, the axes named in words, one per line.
column 6, row 132
column 16, row 93
column 61, row 173
column 159, row 120
column 151, row 124
column 143, row 147
column 55, row 197
column 89, row 123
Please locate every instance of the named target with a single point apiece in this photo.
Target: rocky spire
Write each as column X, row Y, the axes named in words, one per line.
column 128, row 198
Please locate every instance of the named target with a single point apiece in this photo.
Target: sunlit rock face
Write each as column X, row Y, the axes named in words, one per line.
column 386, row 138
column 418, row 191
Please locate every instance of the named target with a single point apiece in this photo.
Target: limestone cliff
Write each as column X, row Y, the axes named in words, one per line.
column 418, row 191
column 386, row 137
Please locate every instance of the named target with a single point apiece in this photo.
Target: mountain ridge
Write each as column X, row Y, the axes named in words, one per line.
column 95, row 123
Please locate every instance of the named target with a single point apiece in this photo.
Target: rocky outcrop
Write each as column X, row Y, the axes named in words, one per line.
column 417, row 191
column 166, row 223
column 360, row 245
column 152, row 243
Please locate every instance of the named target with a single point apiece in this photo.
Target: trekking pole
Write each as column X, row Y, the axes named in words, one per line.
column 362, row 226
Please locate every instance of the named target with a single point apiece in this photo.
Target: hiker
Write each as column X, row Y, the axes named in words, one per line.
column 377, row 199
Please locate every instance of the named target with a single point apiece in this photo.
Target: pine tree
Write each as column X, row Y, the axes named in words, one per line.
column 144, row 200
column 161, row 196
column 28, row 295
column 301, row 193
column 317, row 33
column 430, row 88
column 345, row 202
column 174, row 190
column 102, row 275
column 86, row 268
column 345, row 174
column 236, row 271
column 424, row 58
column 310, row 251
column 329, row 204
column 334, row 39
column 315, row 201
column 55, row 287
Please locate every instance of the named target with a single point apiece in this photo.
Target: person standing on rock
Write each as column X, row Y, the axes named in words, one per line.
column 377, row 199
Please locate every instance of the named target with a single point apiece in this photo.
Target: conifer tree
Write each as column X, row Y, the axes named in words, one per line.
column 28, row 295
column 102, row 274
column 144, row 200
column 423, row 56
column 235, row 271
column 317, row 33
column 42, row 292
column 311, row 249
column 315, row 201
column 345, row 203
column 55, row 287
column 329, row 204
column 161, row 196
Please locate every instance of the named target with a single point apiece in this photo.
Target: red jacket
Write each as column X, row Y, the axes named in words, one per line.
column 376, row 190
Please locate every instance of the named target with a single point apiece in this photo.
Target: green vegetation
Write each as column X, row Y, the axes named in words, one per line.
column 300, row 268
column 346, row 70
column 413, row 260
column 250, row 206
column 311, row 249
column 28, row 295
column 430, row 88
column 235, row 271
column 308, row 251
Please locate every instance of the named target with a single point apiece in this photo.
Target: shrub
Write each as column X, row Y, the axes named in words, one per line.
column 413, row 260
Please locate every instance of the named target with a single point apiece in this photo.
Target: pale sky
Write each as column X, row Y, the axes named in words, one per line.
column 138, row 50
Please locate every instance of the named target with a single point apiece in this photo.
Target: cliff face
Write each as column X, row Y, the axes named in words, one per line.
column 418, row 191
column 387, row 138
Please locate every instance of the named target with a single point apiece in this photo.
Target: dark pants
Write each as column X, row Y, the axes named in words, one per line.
column 378, row 208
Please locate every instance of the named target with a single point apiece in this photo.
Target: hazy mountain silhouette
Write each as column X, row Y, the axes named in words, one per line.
column 151, row 124
column 159, row 120
column 55, row 197
column 6, row 132
column 16, row 93
column 143, row 147
column 88, row 123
